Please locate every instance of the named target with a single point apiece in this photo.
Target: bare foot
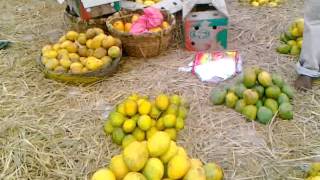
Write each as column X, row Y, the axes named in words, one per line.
column 303, row 82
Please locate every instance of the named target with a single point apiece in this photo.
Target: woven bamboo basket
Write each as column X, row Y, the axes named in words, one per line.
column 144, row 45
column 86, row 78
column 71, row 21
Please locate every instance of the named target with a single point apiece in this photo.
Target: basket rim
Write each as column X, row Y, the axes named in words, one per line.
column 144, row 35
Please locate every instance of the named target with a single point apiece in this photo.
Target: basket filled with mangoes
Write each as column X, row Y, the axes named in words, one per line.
column 81, row 57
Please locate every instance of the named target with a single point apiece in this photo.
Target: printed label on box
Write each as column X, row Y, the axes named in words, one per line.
column 205, row 30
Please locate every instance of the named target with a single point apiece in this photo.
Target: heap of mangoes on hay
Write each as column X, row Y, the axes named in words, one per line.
column 291, row 41
column 147, row 131
column 147, row 2
column 313, row 172
column 137, row 118
column 259, row 95
column 158, row 158
column 270, row 3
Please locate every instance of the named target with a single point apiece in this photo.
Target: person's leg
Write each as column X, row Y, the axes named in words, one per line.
column 309, row 64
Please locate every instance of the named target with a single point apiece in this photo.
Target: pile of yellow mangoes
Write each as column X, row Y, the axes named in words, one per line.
column 270, row 3
column 314, row 171
column 137, row 118
column 158, row 158
column 292, row 40
column 147, row 2
column 79, row 53
column 126, row 26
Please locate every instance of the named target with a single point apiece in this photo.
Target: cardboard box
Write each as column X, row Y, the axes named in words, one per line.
column 87, row 9
column 205, row 26
column 172, row 6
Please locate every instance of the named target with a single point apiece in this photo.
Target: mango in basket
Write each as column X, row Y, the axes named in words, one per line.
column 74, row 57
column 91, row 33
column 56, row 47
column 46, row 48
column 69, row 46
column 94, row 63
column 165, row 25
column 157, row 29
column 79, row 53
column 83, row 60
column 127, row 27
column 89, row 44
column 65, row 62
column 96, row 42
column 72, row 35
column 76, row 68
column 98, row 30
column 50, row 54
column 60, row 69
column 62, row 39
column 82, row 38
column 108, row 42
column 84, row 70
column 135, row 18
column 83, row 51
column 99, row 53
column 106, row 60
column 114, row 52
column 62, row 52
column 119, row 25
column 51, row 64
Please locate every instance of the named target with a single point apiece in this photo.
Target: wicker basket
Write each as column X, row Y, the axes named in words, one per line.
column 74, row 22
column 86, row 78
column 144, row 45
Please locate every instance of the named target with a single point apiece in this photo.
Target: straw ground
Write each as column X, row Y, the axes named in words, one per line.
column 49, row 130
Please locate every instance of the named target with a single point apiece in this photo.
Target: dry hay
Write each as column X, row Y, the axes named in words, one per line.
column 54, row 131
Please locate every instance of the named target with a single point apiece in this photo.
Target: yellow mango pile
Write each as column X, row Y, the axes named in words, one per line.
column 137, row 118
column 158, row 158
column 79, row 53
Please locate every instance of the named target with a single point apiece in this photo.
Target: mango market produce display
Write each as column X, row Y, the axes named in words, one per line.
column 269, row 3
column 313, row 172
column 158, row 158
column 80, row 53
column 137, row 118
column 126, row 26
column 147, row 2
column 258, row 96
column 291, row 41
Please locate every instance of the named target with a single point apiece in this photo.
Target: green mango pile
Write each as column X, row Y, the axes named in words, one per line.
column 292, row 40
column 258, row 96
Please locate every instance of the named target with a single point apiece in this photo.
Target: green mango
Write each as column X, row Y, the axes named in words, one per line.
column 264, row 115
column 289, row 36
column 284, row 49
column 286, row 111
column 283, row 38
column 295, row 50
